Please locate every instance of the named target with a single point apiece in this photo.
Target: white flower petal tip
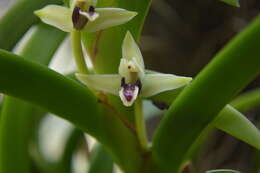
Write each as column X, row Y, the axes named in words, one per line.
column 57, row 16
column 156, row 83
column 128, row 94
column 106, row 83
column 130, row 49
column 109, row 17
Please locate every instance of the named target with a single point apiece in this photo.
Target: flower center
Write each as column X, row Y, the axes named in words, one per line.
column 81, row 17
column 129, row 91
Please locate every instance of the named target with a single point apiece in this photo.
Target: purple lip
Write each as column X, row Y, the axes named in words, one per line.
column 129, row 90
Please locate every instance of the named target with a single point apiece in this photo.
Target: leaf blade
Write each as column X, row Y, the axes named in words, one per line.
column 234, row 3
column 21, row 11
column 224, row 69
column 236, row 124
column 17, row 117
column 68, row 99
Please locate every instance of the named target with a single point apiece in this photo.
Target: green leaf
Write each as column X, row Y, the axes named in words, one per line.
column 204, row 98
column 99, row 156
column 11, row 30
column 234, row 3
column 17, row 116
column 72, row 101
column 75, row 137
column 247, row 101
column 236, row 124
column 222, row 171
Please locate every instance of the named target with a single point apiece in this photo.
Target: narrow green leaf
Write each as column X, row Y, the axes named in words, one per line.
column 18, row 20
column 17, row 116
column 72, row 101
column 75, row 137
column 204, row 98
column 236, row 124
column 223, row 171
column 234, row 3
column 247, row 101
column 100, row 157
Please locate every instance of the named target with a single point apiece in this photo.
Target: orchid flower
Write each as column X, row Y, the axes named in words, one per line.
column 132, row 80
column 82, row 15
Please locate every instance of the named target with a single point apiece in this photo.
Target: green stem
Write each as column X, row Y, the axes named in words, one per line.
column 78, row 52
column 140, row 124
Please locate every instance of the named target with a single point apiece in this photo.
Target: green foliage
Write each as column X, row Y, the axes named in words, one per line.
column 247, row 101
column 186, row 112
column 234, row 3
column 193, row 110
column 98, row 156
column 17, row 117
column 11, row 30
column 72, row 106
column 236, row 124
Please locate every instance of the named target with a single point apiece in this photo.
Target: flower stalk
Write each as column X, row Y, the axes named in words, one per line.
column 78, row 52
column 140, row 124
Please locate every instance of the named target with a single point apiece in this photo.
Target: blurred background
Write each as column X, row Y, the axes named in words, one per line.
column 179, row 37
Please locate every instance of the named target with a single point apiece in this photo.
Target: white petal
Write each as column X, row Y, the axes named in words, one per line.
column 130, row 49
column 107, row 83
column 124, row 100
column 155, row 83
column 123, row 69
column 90, row 17
column 109, row 17
column 140, row 69
column 56, row 16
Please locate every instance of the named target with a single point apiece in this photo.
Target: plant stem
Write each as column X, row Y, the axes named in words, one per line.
column 78, row 52
column 140, row 123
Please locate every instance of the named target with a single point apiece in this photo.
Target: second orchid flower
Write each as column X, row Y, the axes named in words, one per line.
column 133, row 81
column 82, row 15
